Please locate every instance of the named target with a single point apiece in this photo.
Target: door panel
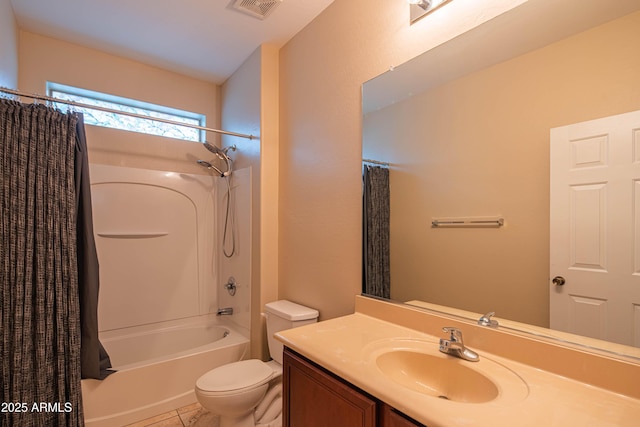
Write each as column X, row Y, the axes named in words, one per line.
column 595, row 228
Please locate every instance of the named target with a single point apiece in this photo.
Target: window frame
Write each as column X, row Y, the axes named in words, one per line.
column 52, row 88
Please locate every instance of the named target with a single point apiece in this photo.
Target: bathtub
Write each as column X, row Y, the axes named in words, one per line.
column 158, row 366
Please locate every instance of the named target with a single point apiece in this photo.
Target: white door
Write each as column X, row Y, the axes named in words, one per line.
column 595, row 228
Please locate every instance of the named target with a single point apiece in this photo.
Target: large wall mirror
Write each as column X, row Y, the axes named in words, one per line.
column 465, row 131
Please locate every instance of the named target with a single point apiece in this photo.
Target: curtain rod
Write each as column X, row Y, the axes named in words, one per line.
column 375, row 162
column 110, row 110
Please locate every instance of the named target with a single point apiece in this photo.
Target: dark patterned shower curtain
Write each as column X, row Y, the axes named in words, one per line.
column 40, row 313
column 376, row 231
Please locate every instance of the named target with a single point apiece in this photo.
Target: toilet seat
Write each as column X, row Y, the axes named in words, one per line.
column 235, row 377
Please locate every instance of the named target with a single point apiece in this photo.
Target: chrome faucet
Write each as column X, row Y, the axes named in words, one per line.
column 487, row 320
column 455, row 347
column 225, row 311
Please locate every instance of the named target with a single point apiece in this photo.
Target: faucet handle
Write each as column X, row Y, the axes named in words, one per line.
column 486, row 320
column 455, row 334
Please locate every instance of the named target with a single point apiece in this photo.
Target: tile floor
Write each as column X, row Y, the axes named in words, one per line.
column 188, row 416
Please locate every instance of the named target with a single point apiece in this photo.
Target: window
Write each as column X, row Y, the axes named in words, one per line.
column 125, row 122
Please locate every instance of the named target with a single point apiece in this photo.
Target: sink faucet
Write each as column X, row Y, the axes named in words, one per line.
column 225, row 311
column 486, row 320
column 455, row 347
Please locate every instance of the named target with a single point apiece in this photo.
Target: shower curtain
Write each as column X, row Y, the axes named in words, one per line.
column 376, row 232
column 40, row 287
column 94, row 360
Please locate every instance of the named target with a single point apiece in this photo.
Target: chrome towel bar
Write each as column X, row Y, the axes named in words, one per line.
column 467, row 222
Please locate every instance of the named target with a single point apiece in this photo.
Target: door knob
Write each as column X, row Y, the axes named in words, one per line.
column 558, row 281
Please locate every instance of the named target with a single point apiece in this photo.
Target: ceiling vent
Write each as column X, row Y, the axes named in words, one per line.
column 257, row 8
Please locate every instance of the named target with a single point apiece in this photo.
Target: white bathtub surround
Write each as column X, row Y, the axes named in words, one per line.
column 157, row 240
column 239, row 265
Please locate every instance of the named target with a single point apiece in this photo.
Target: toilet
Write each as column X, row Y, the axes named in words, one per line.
column 248, row 393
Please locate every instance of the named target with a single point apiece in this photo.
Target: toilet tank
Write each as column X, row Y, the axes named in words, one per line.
column 283, row 315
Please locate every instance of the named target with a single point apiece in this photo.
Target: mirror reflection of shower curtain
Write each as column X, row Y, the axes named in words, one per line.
column 376, row 235
column 40, row 310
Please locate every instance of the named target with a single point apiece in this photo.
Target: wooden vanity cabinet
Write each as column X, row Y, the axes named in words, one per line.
column 389, row 417
column 314, row 397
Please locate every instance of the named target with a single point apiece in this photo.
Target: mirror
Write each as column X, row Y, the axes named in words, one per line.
column 465, row 130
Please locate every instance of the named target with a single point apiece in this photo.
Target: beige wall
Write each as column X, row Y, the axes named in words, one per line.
column 321, row 72
column 8, row 46
column 479, row 146
column 250, row 102
column 269, row 190
column 43, row 59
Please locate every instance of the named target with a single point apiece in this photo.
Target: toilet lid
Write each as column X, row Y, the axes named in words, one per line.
column 236, row 375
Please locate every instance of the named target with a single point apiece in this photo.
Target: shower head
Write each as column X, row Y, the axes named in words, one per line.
column 221, row 153
column 215, row 150
column 210, row 167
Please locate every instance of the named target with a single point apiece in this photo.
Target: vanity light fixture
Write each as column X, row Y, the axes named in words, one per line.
column 421, row 8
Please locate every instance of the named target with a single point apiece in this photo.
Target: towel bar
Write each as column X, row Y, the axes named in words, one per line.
column 467, row 222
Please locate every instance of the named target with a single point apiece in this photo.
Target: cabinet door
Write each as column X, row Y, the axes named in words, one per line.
column 315, row 398
column 389, row 417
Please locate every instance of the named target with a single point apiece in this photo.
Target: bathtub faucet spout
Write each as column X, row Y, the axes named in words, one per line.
column 227, row 311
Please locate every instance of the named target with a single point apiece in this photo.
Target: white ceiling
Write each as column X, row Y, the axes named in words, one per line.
column 206, row 39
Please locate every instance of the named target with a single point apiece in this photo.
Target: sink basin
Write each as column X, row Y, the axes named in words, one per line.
column 439, row 376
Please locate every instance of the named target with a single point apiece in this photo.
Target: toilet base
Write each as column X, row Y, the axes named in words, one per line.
column 246, row 420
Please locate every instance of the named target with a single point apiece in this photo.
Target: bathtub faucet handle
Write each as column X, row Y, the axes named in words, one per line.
column 231, row 286
column 227, row 311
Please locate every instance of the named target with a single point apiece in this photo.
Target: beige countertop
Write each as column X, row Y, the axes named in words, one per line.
column 528, row 396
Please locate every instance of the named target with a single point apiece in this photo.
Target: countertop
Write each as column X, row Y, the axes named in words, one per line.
column 345, row 346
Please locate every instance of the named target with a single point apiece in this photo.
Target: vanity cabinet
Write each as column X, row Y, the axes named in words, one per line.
column 389, row 417
column 314, row 397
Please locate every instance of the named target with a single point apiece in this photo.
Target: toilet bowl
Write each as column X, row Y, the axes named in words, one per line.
column 233, row 391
